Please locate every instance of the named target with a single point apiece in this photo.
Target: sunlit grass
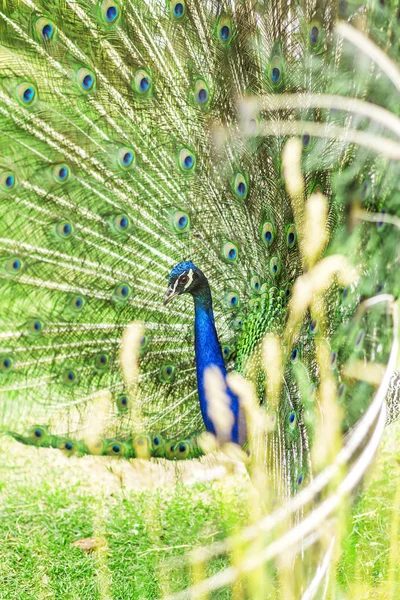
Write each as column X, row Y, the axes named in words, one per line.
column 144, row 519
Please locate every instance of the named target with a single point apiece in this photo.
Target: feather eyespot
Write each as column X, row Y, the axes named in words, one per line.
column 292, row 420
column 237, row 323
column 86, row 80
column 294, row 355
column 122, row 292
column 101, row 362
column 240, row 186
column 122, row 403
column 255, row 283
column 115, row 448
column 232, row 300
column 35, row 327
column 126, row 158
column 110, row 12
column 121, row 224
column 6, row 364
column 288, row 291
column 230, row 252
column 144, row 344
column 275, row 71
column 186, row 160
column 7, row 181
column 314, row 35
column 77, row 303
column 45, row 29
column 226, row 351
column 178, row 9
column 274, row 266
column 182, row 449
column 180, row 222
column 305, row 139
column 201, row 93
column 61, row 173
column 291, row 236
column 14, row 265
column 167, row 373
column 37, row 435
column 267, row 234
column 64, row 229
column 70, row 377
column 27, row 94
column 314, row 326
column 68, row 447
column 142, row 82
column 224, row 29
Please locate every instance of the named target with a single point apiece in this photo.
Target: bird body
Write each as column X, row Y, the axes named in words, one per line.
column 137, row 134
column 187, row 278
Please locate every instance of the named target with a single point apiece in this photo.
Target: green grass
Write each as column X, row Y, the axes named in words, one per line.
column 146, row 518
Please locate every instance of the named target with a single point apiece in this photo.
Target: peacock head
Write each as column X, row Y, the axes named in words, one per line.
column 185, row 278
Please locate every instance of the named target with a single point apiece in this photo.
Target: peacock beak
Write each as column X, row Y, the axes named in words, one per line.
column 171, row 293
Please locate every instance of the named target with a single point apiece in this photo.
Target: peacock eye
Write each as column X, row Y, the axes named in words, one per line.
column 314, row 35
column 291, row 236
column 305, row 138
column 101, row 362
column 45, row 29
column 122, row 403
column 240, row 186
column 77, row 303
column 121, row 223
column 70, row 377
column 178, row 9
column 183, row 279
column 126, row 158
column 232, row 299
column 26, row 94
column 268, row 233
column 122, row 292
column 86, row 80
column 201, row 93
column 255, row 283
column 274, row 266
column 167, row 373
column 7, row 181
column 34, row 327
column 64, row 229
column 61, row 173
column 180, row 221
column 224, row 28
column 182, row 449
column 187, row 160
column 142, row 82
column 110, row 12
column 230, row 252
column 275, row 71
column 6, row 364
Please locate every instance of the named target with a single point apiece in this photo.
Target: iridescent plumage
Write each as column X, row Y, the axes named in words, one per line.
column 137, row 135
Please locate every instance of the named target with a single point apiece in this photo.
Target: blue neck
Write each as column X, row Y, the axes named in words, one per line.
column 208, row 353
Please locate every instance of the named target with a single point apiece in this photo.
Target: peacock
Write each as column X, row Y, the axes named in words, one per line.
column 187, row 166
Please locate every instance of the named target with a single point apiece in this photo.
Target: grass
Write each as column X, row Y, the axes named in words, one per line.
column 142, row 519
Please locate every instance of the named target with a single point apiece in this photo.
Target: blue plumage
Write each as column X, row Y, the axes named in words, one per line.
column 185, row 277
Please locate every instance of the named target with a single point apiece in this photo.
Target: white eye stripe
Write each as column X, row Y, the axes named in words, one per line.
column 190, row 275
